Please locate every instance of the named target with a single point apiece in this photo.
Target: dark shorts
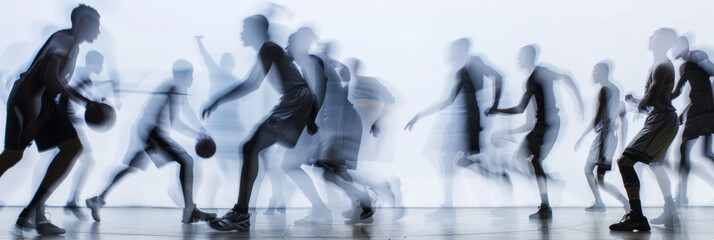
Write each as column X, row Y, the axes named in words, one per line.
column 288, row 119
column 651, row 143
column 156, row 142
column 541, row 139
column 699, row 121
column 52, row 124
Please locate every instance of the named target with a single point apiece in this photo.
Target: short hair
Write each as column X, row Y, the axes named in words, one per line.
column 305, row 33
column 666, row 36
column 461, row 44
column 182, row 66
column 82, row 11
column 259, row 21
column 94, row 57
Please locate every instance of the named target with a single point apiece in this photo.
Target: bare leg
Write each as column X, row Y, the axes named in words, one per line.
column 249, row 172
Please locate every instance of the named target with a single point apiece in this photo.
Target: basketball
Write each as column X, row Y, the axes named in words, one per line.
column 99, row 117
column 205, row 146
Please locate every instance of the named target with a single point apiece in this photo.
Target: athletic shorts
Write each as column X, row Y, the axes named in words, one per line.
column 52, row 124
column 651, row 143
column 155, row 142
column 603, row 149
column 290, row 116
column 541, row 139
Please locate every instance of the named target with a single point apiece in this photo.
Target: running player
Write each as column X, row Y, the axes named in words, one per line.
column 540, row 140
column 296, row 110
column 33, row 113
column 651, row 143
column 609, row 107
column 699, row 113
column 162, row 110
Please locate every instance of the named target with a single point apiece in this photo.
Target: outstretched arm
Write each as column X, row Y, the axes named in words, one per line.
column 518, row 108
column 437, row 106
column 249, row 85
column 207, row 59
column 574, row 88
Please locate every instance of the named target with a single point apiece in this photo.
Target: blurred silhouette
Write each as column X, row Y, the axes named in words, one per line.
column 336, row 145
column 651, row 143
column 372, row 101
column 82, row 82
column 609, row 108
column 462, row 139
column 296, row 110
column 540, row 140
column 223, row 124
column 699, row 113
column 163, row 109
column 33, row 114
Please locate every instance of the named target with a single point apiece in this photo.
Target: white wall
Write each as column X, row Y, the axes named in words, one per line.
column 402, row 42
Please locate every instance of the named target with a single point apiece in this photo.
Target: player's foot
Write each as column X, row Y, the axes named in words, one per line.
column 681, row 202
column 596, row 207
column 95, row 204
column 273, row 211
column 25, row 222
column 193, row 214
column 630, row 222
column 316, row 216
column 74, row 208
column 668, row 218
column 544, row 212
column 363, row 214
column 46, row 228
column 232, row 220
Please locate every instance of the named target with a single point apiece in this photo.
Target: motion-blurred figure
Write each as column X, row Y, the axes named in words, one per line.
column 651, row 143
column 609, row 109
column 540, row 140
column 338, row 141
column 372, row 101
column 82, row 82
column 33, row 114
column 296, row 110
column 699, row 114
column 162, row 110
column 223, row 125
column 463, row 137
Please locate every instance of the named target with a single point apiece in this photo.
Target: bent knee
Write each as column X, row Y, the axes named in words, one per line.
column 625, row 162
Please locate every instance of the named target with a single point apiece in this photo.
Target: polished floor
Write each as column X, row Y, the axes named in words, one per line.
column 419, row 223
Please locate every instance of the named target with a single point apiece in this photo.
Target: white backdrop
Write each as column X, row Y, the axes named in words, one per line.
column 401, row 42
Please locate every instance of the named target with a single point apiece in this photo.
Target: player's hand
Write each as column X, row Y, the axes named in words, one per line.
column 375, row 131
column 208, row 110
column 629, row 97
column 199, row 37
column 491, row 111
column 411, row 123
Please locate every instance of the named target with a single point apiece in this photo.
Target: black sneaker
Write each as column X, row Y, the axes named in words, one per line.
column 95, row 204
column 233, row 220
column 75, row 209
column 544, row 212
column 193, row 214
column 367, row 212
column 45, row 227
column 631, row 222
column 25, row 221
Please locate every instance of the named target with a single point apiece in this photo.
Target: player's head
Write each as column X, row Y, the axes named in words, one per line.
column 681, row 48
column 85, row 23
column 300, row 41
column 94, row 62
column 527, row 56
column 355, row 65
column 601, row 72
column 458, row 51
column 662, row 40
column 255, row 31
column 183, row 72
column 228, row 62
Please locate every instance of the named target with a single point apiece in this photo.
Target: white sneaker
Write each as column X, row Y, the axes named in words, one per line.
column 316, row 217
